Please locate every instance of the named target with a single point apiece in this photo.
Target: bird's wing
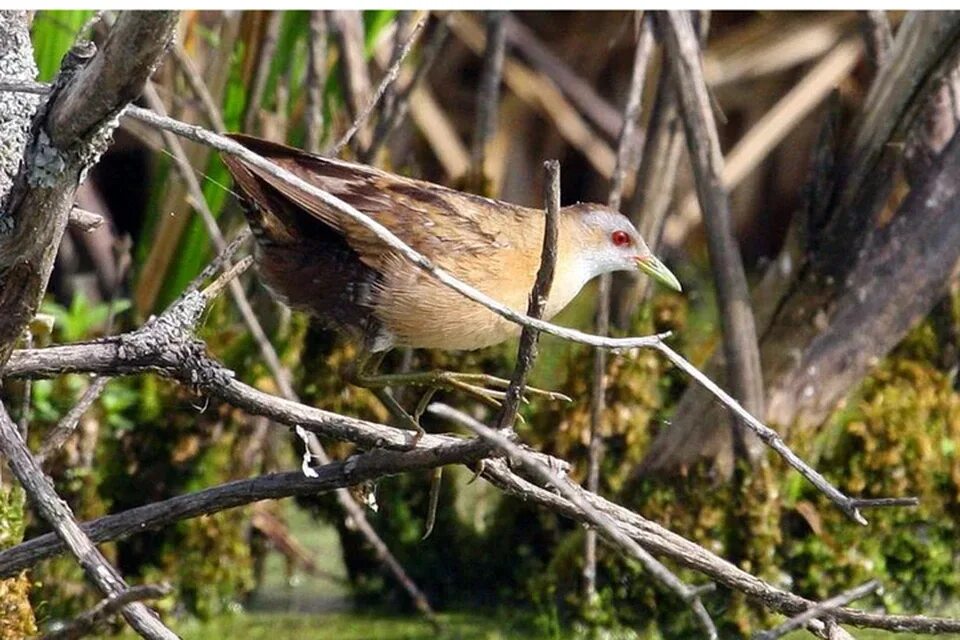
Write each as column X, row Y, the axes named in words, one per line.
column 436, row 221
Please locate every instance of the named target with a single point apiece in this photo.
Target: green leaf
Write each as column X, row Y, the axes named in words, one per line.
column 53, row 33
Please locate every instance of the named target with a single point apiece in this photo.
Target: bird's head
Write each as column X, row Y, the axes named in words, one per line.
column 607, row 241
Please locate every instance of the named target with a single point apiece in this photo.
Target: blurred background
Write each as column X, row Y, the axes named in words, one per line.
column 788, row 89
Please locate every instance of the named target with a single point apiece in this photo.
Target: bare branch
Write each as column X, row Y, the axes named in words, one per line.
column 58, row 515
column 334, row 475
column 388, row 79
column 268, row 46
column 488, row 92
column 739, row 330
column 546, row 477
column 316, row 80
column 62, row 431
column 527, row 351
column 877, row 36
column 818, row 611
column 626, row 163
column 209, row 106
column 87, row 622
column 348, row 27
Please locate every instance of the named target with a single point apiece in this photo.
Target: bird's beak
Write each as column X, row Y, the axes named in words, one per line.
column 653, row 267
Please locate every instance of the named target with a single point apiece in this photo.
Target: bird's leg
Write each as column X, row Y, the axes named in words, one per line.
column 361, row 375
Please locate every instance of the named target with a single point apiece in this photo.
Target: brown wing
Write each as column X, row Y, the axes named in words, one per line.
column 436, row 221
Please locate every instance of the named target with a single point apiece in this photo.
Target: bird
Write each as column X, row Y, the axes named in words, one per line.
column 316, row 259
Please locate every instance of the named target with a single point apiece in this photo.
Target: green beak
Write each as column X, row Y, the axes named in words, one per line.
column 656, row 269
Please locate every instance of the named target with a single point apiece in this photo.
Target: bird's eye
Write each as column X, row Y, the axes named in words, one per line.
column 621, row 239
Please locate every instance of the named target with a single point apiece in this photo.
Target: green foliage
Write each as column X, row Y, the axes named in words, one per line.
column 53, row 33
column 82, row 318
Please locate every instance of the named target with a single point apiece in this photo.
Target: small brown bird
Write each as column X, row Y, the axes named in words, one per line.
column 316, row 259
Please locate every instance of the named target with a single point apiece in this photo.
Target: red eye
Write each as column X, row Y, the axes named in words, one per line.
column 621, row 239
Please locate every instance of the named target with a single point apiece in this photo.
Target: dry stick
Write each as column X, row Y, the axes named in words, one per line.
column 58, row 515
column 654, row 193
column 847, row 504
column 199, row 87
column 268, row 46
column 581, row 94
column 401, row 105
column 276, row 368
column 772, row 44
column 60, row 433
column 389, row 101
column 739, row 331
column 770, row 130
column 371, row 465
column 87, row 622
column 527, row 352
column 316, row 80
column 388, row 79
column 26, row 401
column 877, row 36
column 488, row 93
column 818, row 610
column 692, row 556
column 546, row 477
column 348, row 27
column 626, row 163
column 541, row 94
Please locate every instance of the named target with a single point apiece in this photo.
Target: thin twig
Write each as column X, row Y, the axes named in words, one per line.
column 62, row 431
column 348, row 27
column 739, row 330
column 401, row 105
column 268, row 46
column 654, row 192
column 581, row 93
column 877, row 36
column 189, row 70
column 26, row 401
column 87, row 622
column 626, row 163
column 488, row 92
column 316, row 80
column 527, row 352
column 819, row 610
column 546, row 477
column 540, row 93
column 388, row 79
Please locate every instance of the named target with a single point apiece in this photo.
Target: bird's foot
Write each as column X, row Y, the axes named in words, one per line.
column 486, row 388
column 407, row 421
